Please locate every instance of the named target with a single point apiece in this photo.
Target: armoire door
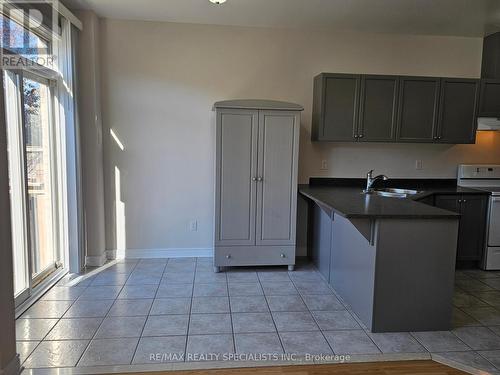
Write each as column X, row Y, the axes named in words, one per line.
column 236, row 173
column 277, row 177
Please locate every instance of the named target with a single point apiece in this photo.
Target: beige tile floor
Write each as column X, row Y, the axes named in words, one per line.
column 137, row 311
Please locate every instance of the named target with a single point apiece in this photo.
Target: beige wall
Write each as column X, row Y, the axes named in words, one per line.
column 160, row 80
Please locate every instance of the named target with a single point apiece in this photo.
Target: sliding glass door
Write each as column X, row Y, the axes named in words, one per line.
column 33, row 168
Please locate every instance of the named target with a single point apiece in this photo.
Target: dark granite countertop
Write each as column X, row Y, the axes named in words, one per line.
column 345, row 198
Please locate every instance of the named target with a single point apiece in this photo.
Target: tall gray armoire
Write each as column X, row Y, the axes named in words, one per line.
column 256, row 182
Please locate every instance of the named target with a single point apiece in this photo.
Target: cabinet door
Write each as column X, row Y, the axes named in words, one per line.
column 340, row 107
column 489, row 102
column 448, row 202
column 472, row 227
column 378, row 108
column 427, row 200
column 277, row 191
column 491, row 52
column 418, row 106
column 457, row 110
column 237, row 132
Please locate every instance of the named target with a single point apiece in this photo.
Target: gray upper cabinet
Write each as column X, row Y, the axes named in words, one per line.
column 457, row 110
column 490, row 67
column 378, row 108
column 418, row 109
column 335, row 107
column 257, row 145
column 490, row 73
column 490, row 94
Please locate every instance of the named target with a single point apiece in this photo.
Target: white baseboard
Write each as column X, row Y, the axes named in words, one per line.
column 13, row 367
column 160, row 253
column 95, row 260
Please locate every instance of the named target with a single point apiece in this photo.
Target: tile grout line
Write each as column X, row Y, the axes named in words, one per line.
column 149, row 312
column 312, row 315
column 346, row 309
column 230, row 312
column 104, row 318
column 58, row 319
column 473, row 294
column 270, row 313
column 190, row 308
column 486, row 359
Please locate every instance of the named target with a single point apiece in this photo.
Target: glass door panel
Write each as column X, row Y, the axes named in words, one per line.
column 33, row 168
column 15, row 151
column 38, row 137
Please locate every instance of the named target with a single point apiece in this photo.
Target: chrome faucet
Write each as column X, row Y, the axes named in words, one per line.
column 370, row 180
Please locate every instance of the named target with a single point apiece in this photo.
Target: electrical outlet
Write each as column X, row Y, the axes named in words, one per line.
column 324, row 165
column 419, row 165
column 193, row 225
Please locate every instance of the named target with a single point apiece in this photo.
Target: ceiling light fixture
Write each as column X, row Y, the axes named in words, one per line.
column 218, row 2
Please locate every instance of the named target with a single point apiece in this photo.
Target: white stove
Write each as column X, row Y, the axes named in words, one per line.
column 486, row 178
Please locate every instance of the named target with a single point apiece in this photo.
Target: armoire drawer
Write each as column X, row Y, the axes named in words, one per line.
column 254, row 255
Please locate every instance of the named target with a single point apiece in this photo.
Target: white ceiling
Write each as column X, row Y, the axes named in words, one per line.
column 436, row 17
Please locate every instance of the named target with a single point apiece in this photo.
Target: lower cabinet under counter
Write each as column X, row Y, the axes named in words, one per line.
column 396, row 274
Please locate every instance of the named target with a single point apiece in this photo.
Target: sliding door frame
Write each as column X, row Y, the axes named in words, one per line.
column 66, row 140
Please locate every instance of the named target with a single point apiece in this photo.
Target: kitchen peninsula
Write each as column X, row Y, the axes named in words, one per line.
column 391, row 259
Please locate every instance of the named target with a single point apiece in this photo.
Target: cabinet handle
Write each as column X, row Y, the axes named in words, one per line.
column 254, row 179
column 282, row 255
column 260, row 179
column 464, row 201
column 361, row 136
column 356, row 136
column 228, row 256
column 459, row 201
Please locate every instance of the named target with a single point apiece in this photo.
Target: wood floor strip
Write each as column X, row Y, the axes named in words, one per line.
column 373, row 368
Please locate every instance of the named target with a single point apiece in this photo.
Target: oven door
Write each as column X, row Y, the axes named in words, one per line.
column 494, row 222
